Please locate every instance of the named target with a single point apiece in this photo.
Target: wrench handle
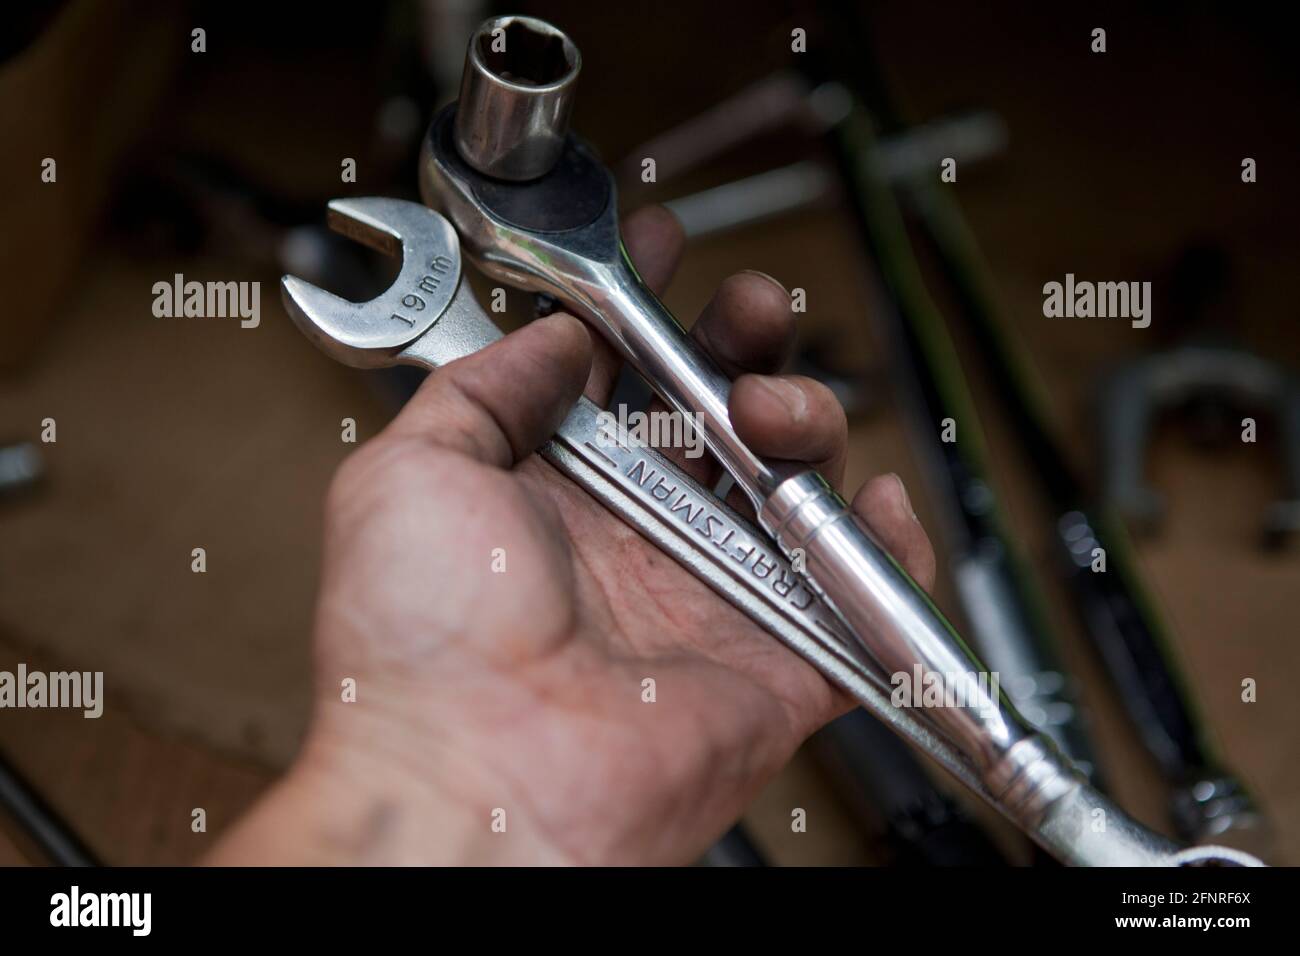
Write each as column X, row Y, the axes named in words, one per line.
column 888, row 613
column 652, row 339
column 911, row 639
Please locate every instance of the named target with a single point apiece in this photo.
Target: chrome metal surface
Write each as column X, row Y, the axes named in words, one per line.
column 745, row 202
column 582, row 262
column 639, row 485
column 985, row 746
column 1041, row 695
column 372, row 334
column 721, row 548
column 518, row 85
column 966, row 138
column 890, row 615
column 644, row 489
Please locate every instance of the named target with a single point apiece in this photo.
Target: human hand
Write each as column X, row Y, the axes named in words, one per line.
column 479, row 692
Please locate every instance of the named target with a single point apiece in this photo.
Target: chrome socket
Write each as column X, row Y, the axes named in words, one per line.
column 516, row 95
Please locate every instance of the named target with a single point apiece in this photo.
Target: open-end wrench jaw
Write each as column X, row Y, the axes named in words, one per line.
column 373, row 334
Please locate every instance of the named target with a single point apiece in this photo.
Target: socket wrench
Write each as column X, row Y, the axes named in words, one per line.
column 557, row 233
column 429, row 318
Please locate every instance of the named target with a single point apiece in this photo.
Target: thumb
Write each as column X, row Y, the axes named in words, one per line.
column 499, row 404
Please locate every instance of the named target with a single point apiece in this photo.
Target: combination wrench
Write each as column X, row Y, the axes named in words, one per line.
column 429, row 317
column 536, row 209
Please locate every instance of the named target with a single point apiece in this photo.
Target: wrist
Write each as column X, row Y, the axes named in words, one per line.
column 347, row 803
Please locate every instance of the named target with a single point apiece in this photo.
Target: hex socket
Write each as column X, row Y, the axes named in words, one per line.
column 515, row 97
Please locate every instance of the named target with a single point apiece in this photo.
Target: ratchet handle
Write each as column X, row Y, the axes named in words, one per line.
column 876, row 598
column 927, row 662
column 888, row 612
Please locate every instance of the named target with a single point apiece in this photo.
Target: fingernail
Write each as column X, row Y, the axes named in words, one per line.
column 764, row 275
column 790, row 395
column 908, row 510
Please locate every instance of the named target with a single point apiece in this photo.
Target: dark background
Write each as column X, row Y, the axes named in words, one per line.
column 175, row 433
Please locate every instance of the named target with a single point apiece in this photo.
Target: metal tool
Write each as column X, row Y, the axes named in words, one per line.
column 558, row 235
column 1210, row 376
column 1008, row 626
column 1001, row 604
column 41, row 832
column 783, row 99
column 1120, row 618
column 640, row 486
column 810, row 183
column 1004, row 608
column 882, row 780
column 1133, row 395
column 429, row 318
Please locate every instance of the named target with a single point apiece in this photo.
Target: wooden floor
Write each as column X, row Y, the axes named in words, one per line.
column 181, row 434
